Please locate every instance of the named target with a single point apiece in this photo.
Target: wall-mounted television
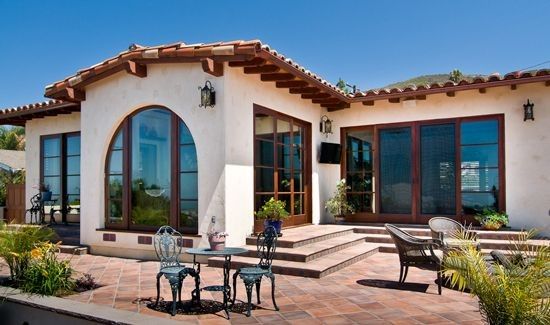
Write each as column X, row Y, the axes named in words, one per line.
column 330, row 153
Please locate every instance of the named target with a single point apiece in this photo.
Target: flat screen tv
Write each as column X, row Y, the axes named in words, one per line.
column 330, row 153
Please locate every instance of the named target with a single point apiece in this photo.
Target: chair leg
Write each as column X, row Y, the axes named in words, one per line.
column 174, row 285
column 406, row 272
column 439, row 282
column 248, row 285
column 158, row 288
column 258, row 283
column 180, row 287
column 272, row 277
column 235, row 286
column 401, row 274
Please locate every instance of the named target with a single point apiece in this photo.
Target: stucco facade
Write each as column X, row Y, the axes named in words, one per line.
column 224, row 139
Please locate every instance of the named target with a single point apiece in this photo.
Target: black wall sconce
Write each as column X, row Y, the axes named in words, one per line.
column 325, row 126
column 208, row 95
column 528, row 113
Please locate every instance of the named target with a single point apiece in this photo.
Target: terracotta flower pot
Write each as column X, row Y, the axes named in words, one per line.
column 217, row 243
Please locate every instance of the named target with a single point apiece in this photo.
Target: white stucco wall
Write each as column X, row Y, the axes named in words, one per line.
column 33, row 130
column 527, row 154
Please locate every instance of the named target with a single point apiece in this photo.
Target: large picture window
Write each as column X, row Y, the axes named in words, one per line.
column 151, row 173
column 451, row 167
column 281, row 163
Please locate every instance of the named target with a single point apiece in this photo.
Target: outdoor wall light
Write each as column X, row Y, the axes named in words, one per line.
column 208, row 95
column 528, row 113
column 325, row 126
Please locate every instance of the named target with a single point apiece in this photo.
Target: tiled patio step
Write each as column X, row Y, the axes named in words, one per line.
column 481, row 234
column 314, row 251
column 71, row 249
column 302, row 236
column 314, row 269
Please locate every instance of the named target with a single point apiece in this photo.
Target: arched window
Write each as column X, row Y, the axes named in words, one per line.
column 151, row 173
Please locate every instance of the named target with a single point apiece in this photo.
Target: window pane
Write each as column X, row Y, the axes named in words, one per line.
column 73, row 165
column 298, row 204
column 117, row 145
column 479, row 180
column 189, row 213
column 297, row 157
column 151, row 167
column 298, row 135
column 286, row 198
column 283, row 156
column 73, row 185
column 437, row 163
column 361, row 202
column 473, row 203
column 284, row 180
column 52, row 147
column 264, row 126
column 52, row 166
column 264, row 153
column 477, row 132
column 298, row 181
column 185, row 135
column 479, row 156
column 115, row 211
column 261, row 200
column 55, row 184
column 115, row 187
column 264, row 179
column 188, row 158
column 73, row 145
column 115, row 163
column 395, row 170
column 189, row 186
column 283, row 132
column 74, row 203
column 360, row 182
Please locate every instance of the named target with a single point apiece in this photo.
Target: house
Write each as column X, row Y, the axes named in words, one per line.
column 12, row 160
column 129, row 139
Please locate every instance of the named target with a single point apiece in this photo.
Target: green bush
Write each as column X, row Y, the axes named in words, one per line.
column 45, row 274
column 16, row 244
column 273, row 210
column 492, row 219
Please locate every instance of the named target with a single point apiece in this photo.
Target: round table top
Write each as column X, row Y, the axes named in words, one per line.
column 225, row 251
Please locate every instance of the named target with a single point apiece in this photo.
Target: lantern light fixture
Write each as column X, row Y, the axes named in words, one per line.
column 208, row 95
column 325, row 126
column 528, row 113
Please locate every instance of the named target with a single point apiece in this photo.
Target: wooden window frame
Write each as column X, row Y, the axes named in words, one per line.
column 416, row 216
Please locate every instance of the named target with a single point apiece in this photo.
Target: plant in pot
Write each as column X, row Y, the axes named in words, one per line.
column 273, row 212
column 45, row 193
column 338, row 205
column 491, row 219
column 216, row 239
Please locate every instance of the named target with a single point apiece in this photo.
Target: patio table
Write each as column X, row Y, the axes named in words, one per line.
column 227, row 252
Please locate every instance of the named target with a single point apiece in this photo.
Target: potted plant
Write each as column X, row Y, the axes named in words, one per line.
column 45, row 193
column 216, row 239
column 338, row 205
column 273, row 212
column 491, row 219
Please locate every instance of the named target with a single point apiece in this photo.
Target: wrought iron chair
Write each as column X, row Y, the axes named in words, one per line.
column 415, row 252
column 252, row 275
column 167, row 244
column 35, row 209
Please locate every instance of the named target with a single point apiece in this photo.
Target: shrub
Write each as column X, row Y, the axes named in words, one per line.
column 16, row 244
column 273, row 210
column 45, row 274
column 338, row 205
column 492, row 219
column 85, row 283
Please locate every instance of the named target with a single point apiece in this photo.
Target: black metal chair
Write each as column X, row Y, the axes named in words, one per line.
column 415, row 252
column 167, row 244
column 35, row 209
column 252, row 275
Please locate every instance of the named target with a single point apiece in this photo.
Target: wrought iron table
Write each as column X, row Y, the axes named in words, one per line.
column 226, row 253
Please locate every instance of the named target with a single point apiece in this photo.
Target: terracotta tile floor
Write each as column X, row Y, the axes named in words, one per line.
column 354, row 295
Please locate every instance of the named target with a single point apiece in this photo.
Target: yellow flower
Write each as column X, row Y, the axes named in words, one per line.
column 36, row 253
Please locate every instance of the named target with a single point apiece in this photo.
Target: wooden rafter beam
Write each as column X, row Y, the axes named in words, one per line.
column 368, row 103
column 305, row 90
column 326, row 101
column 136, row 69
column 482, row 90
column 315, row 96
column 70, row 95
column 248, row 63
column 291, row 84
column 212, row 67
column 335, row 107
column 420, row 97
column 268, row 68
column 547, row 83
column 513, row 87
column 450, row 94
column 277, row 77
column 394, row 100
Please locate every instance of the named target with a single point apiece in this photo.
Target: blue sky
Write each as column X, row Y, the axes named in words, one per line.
column 369, row 44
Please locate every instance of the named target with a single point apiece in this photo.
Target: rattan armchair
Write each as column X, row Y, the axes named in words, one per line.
column 444, row 229
column 416, row 252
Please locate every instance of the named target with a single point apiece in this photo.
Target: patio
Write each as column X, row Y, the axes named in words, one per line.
column 356, row 294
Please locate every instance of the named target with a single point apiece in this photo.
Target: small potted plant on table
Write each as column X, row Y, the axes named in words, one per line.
column 338, row 205
column 273, row 212
column 492, row 220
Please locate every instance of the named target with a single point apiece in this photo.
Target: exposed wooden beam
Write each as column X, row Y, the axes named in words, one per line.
column 482, row 90
column 70, row 95
column 394, row 100
column 291, row 84
column 547, row 83
column 268, row 68
column 368, row 103
column 212, row 67
column 305, row 90
column 249, row 63
column 335, row 107
column 420, row 97
column 450, row 94
column 513, row 86
column 136, row 69
column 277, row 76
column 326, row 101
column 315, row 96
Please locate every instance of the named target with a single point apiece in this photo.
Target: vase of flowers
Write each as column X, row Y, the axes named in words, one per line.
column 216, row 239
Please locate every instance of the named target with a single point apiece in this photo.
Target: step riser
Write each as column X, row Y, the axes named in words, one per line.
column 427, row 233
column 281, row 242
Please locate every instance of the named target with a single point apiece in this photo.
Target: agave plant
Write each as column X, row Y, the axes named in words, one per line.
column 515, row 292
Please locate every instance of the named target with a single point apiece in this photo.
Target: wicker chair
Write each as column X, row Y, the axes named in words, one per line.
column 415, row 252
column 443, row 229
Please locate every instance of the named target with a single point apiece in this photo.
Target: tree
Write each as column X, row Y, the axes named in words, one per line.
column 12, row 138
column 456, row 76
column 342, row 85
